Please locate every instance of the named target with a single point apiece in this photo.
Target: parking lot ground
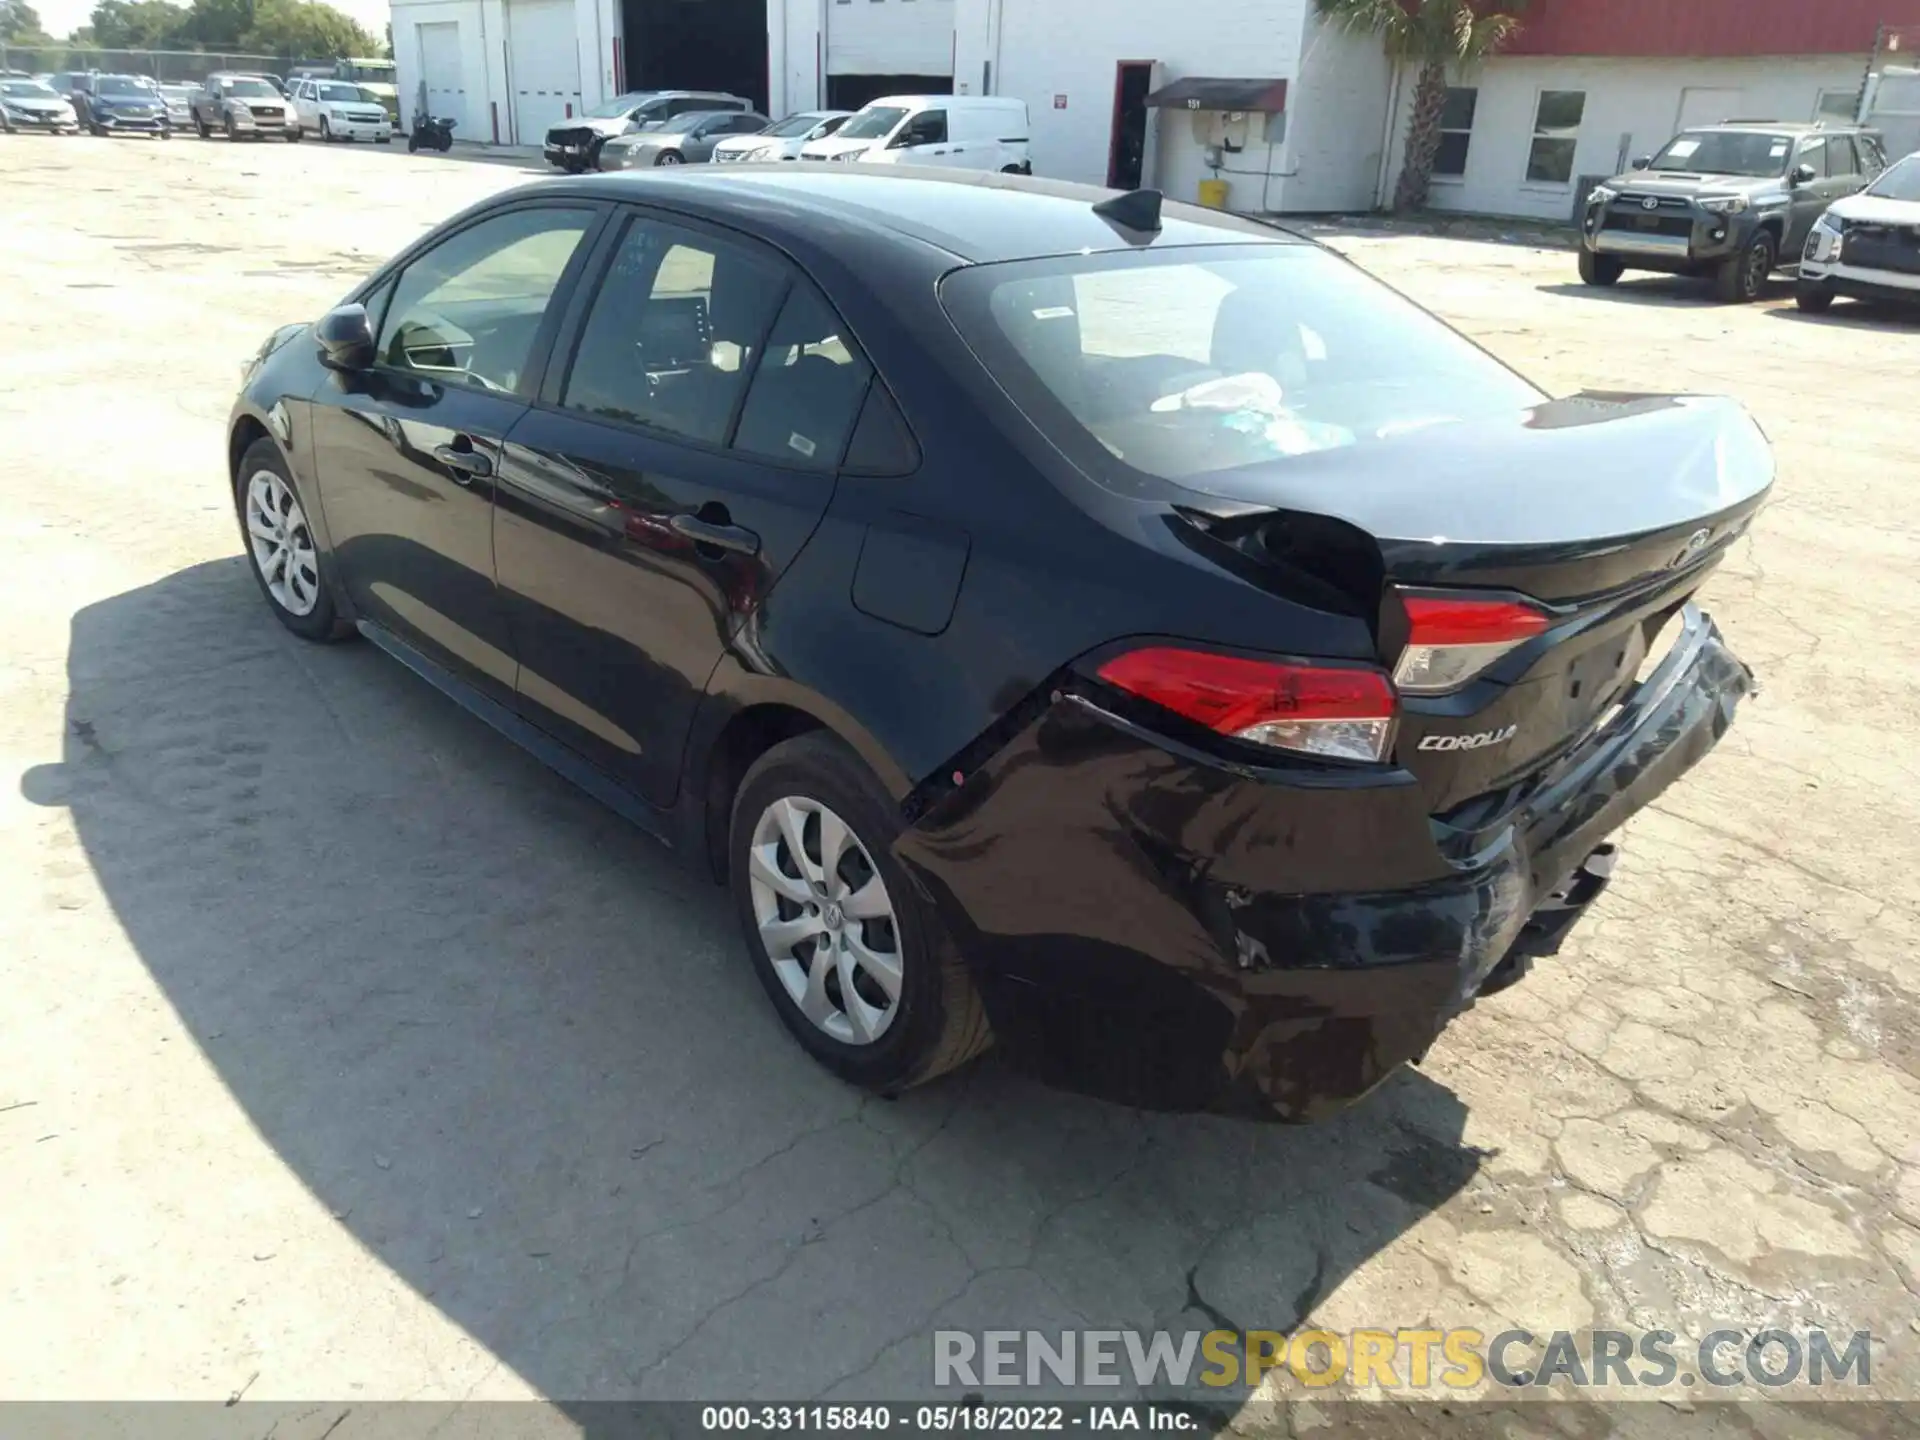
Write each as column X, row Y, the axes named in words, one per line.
column 347, row 1054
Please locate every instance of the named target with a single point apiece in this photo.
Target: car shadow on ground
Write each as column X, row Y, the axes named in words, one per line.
column 517, row 1051
column 1856, row 314
column 1662, row 290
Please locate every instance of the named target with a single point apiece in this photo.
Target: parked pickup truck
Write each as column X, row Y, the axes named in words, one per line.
column 237, row 105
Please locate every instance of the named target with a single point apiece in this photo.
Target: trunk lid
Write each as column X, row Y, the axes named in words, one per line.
column 1605, row 511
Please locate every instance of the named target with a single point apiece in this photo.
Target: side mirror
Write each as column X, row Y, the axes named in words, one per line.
column 1642, row 162
column 903, row 140
column 1803, row 174
column 346, row 338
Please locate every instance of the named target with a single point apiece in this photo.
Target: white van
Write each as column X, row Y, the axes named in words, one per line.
column 963, row 132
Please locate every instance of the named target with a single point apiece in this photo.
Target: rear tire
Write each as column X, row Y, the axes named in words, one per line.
column 1600, row 269
column 671, row 157
column 933, row 1020
column 1742, row 277
column 204, row 130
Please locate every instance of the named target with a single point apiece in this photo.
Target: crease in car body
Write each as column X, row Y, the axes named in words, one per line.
column 1217, row 691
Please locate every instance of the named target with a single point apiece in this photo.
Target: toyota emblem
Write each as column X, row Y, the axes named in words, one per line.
column 1650, row 203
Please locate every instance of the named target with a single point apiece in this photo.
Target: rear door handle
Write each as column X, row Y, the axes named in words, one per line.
column 736, row 538
column 466, row 464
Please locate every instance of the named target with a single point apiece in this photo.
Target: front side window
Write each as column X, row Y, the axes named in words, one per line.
column 1813, row 153
column 1456, row 130
column 467, row 311
column 929, row 127
column 674, row 331
column 807, row 392
column 1556, row 132
column 1190, row 365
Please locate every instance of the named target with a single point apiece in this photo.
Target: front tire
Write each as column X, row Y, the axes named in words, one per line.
column 1742, row 277
column 671, row 157
column 1600, row 269
column 281, row 549
column 326, row 130
column 1813, row 297
column 204, row 130
column 233, row 134
column 857, row 963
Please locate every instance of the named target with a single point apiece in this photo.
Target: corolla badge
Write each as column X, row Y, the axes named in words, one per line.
column 1478, row 741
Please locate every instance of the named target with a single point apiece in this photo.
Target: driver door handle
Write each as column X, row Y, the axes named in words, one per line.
column 466, row 464
column 722, row 537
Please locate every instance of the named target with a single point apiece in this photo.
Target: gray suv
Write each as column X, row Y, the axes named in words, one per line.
column 1729, row 202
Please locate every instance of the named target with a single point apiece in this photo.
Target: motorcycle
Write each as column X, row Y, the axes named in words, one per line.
column 429, row 133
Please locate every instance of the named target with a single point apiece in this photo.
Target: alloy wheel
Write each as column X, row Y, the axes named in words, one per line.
column 826, row 920
column 1759, row 266
column 282, row 543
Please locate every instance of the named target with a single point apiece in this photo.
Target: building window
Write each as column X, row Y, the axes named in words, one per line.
column 1456, row 131
column 1556, row 130
column 1837, row 105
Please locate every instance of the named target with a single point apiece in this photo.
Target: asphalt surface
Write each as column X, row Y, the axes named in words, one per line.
column 351, row 1056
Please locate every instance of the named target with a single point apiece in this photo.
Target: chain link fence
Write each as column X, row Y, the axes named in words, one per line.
column 164, row 66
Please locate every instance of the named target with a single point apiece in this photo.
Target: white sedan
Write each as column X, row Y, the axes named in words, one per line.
column 781, row 141
column 1866, row 246
column 337, row 110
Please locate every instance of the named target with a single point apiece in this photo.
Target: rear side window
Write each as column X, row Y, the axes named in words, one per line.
column 807, row 392
column 674, row 331
column 1841, row 159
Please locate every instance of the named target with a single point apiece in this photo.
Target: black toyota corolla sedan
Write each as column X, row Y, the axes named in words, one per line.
column 1126, row 634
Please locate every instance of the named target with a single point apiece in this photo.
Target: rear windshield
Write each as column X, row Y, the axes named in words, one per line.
column 1902, row 182
column 1725, row 152
column 1191, row 363
column 872, row 123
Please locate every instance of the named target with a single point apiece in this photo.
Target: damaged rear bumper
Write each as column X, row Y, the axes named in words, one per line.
column 1148, row 924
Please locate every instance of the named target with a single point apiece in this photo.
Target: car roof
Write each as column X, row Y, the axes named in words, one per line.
column 976, row 216
column 1776, row 127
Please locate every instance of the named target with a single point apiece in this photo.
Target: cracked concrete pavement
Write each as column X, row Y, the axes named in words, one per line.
column 350, row 1054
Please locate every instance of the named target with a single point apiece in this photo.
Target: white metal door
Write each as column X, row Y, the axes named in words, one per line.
column 543, row 65
column 446, row 84
column 1700, row 105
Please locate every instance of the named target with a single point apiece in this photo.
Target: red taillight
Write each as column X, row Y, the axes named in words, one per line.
column 1449, row 640
column 1312, row 709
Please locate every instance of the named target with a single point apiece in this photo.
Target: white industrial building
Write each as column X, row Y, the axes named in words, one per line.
column 1294, row 116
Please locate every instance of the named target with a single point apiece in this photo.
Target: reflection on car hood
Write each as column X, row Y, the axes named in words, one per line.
column 836, row 146
column 37, row 104
column 1691, row 182
column 1877, row 210
column 1566, row 470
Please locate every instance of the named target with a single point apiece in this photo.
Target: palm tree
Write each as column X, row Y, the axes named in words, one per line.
column 1432, row 34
